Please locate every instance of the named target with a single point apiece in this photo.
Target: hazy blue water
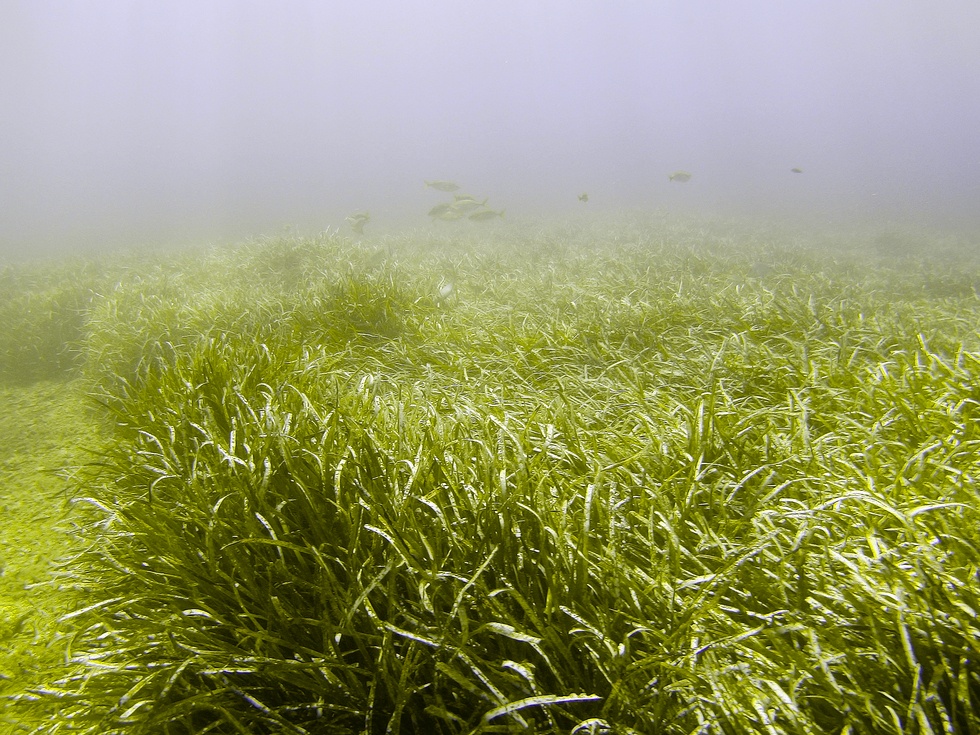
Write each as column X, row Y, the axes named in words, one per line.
column 181, row 121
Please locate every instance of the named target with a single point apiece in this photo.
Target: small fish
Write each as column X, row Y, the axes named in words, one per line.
column 440, row 209
column 797, row 170
column 467, row 205
column 447, row 211
column 583, row 197
column 445, row 291
column 681, row 177
column 358, row 220
column 486, row 214
column 442, row 185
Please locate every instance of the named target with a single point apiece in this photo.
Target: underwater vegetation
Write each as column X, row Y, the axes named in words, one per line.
column 601, row 476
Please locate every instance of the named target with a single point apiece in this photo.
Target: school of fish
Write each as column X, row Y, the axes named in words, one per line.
column 467, row 206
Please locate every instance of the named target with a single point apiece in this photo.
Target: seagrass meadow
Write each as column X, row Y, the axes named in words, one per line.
column 618, row 475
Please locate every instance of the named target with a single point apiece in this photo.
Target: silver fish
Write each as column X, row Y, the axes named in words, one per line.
column 797, row 170
column 442, row 185
column 440, row 209
column 485, row 215
column 358, row 220
column 467, row 205
column 447, row 211
column 681, row 177
column 583, row 197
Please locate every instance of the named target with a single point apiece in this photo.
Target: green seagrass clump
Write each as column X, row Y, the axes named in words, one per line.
column 619, row 479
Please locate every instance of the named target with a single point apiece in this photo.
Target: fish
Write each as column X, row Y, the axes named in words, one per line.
column 486, row 214
column 442, row 185
column 448, row 211
column 467, row 204
column 440, row 209
column 451, row 214
column 681, row 177
column 797, row 170
column 583, row 197
column 358, row 220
